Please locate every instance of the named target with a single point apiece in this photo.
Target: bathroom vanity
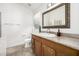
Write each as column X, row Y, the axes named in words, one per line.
column 45, row 44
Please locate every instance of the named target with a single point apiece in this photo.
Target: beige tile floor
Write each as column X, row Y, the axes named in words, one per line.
column 19, row 51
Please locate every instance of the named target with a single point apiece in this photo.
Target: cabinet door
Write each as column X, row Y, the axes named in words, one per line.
column 33, row 45
column 47, row 51
column 38, row 48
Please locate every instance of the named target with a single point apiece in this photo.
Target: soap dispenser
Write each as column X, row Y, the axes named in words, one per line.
column 58, row 33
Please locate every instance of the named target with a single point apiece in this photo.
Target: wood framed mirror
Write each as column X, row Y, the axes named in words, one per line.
column 57, row 17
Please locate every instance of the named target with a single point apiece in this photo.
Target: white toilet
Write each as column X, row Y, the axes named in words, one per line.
column 27, row 42
column 28, row 37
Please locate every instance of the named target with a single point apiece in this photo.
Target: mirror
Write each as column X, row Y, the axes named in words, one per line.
column 57, row 17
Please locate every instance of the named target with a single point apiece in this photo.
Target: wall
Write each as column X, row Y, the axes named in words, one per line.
column 38, row 17
column 74, row 19
column 15, row 19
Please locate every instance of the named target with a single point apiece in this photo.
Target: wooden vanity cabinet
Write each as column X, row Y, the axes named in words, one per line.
column 45, row 47
column 36, row 45
column 60, row 50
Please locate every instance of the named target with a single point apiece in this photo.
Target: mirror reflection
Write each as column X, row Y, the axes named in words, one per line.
column 56, row 16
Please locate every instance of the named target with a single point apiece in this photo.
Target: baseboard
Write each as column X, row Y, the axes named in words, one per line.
column 19, row 45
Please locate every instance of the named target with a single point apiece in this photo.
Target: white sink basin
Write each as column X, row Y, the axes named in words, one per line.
column 47, row 35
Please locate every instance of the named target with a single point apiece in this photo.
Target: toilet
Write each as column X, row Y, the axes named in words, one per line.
column 27, row 39
column 27, row 42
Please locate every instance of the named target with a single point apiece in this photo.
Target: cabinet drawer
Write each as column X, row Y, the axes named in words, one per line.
column 37, row 38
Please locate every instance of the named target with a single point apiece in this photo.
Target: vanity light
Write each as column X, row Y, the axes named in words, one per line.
column 50, row 4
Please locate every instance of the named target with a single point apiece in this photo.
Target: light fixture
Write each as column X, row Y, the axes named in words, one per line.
column 50, row 4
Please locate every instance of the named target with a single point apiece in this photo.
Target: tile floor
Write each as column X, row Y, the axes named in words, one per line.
column 19, row 51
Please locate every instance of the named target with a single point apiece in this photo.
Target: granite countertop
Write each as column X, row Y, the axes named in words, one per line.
column 67, row 41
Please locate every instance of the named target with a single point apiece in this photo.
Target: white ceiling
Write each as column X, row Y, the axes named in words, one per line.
column 33, row 6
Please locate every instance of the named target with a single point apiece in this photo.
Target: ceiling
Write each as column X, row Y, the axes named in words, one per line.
column 33, row 6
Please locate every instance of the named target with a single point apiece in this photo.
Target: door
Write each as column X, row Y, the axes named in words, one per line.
column 47, row 51
column 38, row 48
column 33, row 45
